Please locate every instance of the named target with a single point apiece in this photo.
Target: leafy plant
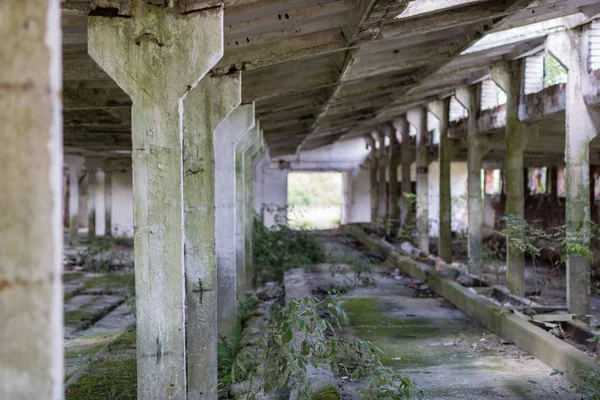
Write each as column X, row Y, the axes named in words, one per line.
column 298, row 336
column 229, row 349
column 578, row 241
column 522, row 236
column 281, row 248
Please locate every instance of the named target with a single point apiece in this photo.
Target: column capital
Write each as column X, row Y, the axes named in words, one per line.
column 157, row 41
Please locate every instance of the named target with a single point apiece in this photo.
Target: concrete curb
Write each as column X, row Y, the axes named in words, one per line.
column 549, row 349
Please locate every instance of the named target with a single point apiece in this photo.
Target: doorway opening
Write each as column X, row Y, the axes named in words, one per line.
column 314, row 200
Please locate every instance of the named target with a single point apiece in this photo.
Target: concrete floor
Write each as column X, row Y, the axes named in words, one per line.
column 446, row 353
column 96, row 313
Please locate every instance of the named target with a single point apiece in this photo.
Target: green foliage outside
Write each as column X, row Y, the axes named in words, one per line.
column 314, row 189
column 281, row 248
column 554, row 72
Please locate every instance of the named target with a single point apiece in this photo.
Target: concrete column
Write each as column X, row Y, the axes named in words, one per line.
column 407, row 159
column 204, row 108
column 347, row 190
column 581, row 128
column 241, row 148
column 91, row 166
column 230, row 131
column 107, row 200
column 418, row 117
column 476, row 150
column 74, row 165
column 381, row 178
column 31, row 229
column 509, row 78
column 394, row 200
column 157, row 56
column 251, row 156
column 441, row 109
column 373, row 172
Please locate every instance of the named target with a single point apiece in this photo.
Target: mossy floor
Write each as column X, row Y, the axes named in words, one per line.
column 111, row 376
column 443, row 351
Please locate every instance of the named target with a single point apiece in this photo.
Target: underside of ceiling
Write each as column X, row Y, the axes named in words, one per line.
column 323, row 70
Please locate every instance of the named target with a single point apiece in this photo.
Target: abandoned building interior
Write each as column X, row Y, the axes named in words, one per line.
column 146, row 150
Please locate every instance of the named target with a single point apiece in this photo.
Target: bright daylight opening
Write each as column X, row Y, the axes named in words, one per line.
column 314, row 199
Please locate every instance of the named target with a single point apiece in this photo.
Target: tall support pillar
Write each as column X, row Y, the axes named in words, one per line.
column 91, row 166
column 441, row 109
column 241, row 148
column 230, row 131
column 204, row 108
column 394, row 201
column 31, row 333
column 477, row 148
column 381, row 178
column 407, row 159
column 107, row 199
column 75, row 165
column 254, row 153
column 509, row 78
column 373, row 172
column 566, row 47
column 157, row 56
column 418, row 117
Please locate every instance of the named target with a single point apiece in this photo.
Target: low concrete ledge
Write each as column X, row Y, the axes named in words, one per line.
column 549, row 349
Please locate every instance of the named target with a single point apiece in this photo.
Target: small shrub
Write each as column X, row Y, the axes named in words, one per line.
column 281, row 248
column 229, row 349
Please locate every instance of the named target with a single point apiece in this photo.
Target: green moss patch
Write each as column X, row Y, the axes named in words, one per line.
column 368, row 311
column 113, row 376
column 106, row 380
column 110, row 282
column 327, row 393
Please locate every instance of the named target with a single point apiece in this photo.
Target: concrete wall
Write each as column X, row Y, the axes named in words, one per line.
column 100, row 203
column 122, row 203
column 458, row 176
column 275, row 194
column 360, row 196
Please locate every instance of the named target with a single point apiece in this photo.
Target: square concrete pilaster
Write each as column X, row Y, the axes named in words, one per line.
column 31, row 185
column 227, row 134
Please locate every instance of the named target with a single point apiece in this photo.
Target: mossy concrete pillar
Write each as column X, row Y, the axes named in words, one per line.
column 381, row 177
column 441, row 109
column 394, row 159
column 91, row 165
column 418, row 118
column 509, row 78
column 477, row 148
column 107, row 168
column 581, row 128
column 205, row 107
column 157, row 55
column 31, row 231
column 373, row 172
column 241, row 148
column 230, row 131
column 74, row 166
